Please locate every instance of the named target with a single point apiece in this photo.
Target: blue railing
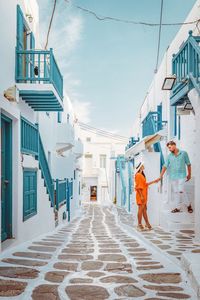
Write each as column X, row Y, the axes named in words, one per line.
column 46, row 172
column 38, row 66
column 132, row 142
column 121, row 164
column 152, row 124
column 61, row 192
column 130, row 183
column 69, row 197
column 29, row 137
column 186, row 67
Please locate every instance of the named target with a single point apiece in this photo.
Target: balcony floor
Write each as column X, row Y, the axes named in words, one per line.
column 41, row 97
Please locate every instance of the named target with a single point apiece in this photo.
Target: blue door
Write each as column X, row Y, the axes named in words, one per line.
column 6, row 178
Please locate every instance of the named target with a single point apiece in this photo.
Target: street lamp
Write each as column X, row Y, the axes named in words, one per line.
column 169, row 83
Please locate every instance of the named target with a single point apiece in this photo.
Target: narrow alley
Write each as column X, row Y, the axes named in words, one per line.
column 98, row 255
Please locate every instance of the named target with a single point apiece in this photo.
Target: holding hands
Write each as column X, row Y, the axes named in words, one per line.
column 154, row 181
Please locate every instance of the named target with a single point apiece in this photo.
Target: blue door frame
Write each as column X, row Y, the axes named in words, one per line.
column 6, row 178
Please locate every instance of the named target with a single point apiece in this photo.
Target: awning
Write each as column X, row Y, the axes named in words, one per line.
column 145, row 143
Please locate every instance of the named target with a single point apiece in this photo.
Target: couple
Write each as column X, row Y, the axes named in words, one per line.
column 176, row 164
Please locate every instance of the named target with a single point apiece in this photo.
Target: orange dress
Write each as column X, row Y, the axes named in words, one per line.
column 141, row 184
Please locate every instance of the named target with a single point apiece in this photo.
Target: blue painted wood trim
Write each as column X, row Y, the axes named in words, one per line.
column 29, row 193
column 9, row 176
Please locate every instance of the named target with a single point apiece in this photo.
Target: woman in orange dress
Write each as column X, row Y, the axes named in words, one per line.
column 141, row 188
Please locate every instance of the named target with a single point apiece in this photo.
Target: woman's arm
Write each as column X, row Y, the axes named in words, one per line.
column 152, row 182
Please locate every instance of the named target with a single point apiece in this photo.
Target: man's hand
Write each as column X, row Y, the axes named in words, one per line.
column 157, row 180
column 188, row 177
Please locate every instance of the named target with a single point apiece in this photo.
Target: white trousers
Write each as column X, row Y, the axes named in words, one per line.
column 179, row 194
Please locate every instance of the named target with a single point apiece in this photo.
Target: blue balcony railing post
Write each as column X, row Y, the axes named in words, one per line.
column 51, row 65
column 32, row 67
column 185, row 66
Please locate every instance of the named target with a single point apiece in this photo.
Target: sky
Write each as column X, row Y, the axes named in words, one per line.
column 108, row 66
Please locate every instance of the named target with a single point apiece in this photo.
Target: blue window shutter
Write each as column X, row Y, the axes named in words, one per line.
column 32, row 47
column 179, row 127
column 29, row 194
column 159, row 121
column 20, row 29
column 20, row 41
column 173, row 121
column 32, row 41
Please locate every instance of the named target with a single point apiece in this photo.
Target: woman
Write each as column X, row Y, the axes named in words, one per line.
column 141, row 187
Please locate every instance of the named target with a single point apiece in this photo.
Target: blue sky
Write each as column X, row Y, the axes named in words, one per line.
column 107, row 65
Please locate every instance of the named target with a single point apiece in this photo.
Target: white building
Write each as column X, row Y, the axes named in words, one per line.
column 100, row 154
column 40, row 146
column 166, row 115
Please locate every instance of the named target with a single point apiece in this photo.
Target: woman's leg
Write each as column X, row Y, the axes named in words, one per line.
column 145, row 216
column 140, row 210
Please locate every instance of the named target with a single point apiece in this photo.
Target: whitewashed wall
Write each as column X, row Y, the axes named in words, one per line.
column 61, row 167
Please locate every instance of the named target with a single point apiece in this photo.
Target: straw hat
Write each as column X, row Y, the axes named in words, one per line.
column 139, row 165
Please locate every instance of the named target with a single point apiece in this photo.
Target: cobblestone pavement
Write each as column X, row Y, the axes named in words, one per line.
column 91, row 258
column 174, row 242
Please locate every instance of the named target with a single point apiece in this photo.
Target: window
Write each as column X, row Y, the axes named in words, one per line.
column 88, row 139
column 102, row 161
column 29, row 193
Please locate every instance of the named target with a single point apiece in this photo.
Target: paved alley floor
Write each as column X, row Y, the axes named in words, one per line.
column 93, row 257
column 173, row 243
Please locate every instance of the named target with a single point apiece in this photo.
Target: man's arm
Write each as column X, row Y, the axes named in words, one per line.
column 163, row 172
column 189, row 167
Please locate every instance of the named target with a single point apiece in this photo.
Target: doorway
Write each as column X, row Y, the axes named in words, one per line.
column 6, row 178
column 93, row 193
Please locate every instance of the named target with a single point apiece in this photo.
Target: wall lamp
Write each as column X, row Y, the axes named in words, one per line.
column 30, row 17
column 188, row 106
column 169, row 83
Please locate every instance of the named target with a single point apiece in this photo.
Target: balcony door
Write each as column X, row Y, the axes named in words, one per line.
column 25, row 41
column 6, row 178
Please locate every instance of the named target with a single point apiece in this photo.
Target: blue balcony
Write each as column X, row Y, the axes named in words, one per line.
column 131, row 143
column 186, row 67
column 39, row 80
column 152, row 124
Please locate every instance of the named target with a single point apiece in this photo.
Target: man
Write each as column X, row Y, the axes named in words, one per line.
column 176, row 164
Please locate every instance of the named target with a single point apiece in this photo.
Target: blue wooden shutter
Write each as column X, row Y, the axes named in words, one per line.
column 32, row 57
column 32, row 41
column 29, row 194
column 173, row 121
column 20, row 40
column 20, row 29
column 179, row 127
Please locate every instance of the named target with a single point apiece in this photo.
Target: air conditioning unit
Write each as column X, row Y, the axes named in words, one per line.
column 12, row 94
